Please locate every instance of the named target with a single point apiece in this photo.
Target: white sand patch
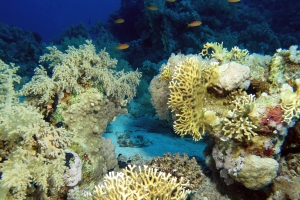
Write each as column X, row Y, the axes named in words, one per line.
column 157, row 138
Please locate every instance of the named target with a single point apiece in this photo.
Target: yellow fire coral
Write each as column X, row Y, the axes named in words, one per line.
column 222, row 54
column 187, row 93
column 218, row 51
column 166, row 74
column 290, row 104
column 147, row 183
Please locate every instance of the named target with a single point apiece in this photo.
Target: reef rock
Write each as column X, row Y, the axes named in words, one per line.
column 257, row 172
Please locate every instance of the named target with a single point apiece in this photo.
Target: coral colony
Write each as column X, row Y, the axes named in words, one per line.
column 245, row 106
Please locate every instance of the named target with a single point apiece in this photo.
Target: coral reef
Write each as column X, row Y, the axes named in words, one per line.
column 245, row 105
column 83, row 85
column 248, row 128
column 20, row 47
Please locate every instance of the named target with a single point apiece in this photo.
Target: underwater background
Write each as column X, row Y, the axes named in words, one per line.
column 152, row 99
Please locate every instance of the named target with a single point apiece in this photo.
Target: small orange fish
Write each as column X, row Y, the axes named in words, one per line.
column 119, row 21
column 122, row 46
column 152, row 8
column 171, row 1
column 194, row 24
column 233, row 1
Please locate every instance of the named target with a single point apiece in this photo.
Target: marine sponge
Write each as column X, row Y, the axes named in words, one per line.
column 234, row 75
column 146, row 183
column 187, row 92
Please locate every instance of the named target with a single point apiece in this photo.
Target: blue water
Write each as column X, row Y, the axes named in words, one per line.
column 50, row 17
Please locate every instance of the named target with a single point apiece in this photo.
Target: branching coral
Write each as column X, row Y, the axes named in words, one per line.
column 237, row 123
column 166, row 73
column 146, row 183
column 187, row 93
column 237, row 54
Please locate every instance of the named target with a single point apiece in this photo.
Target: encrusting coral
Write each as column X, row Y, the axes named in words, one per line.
column 180, row 167
column 142, row 183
